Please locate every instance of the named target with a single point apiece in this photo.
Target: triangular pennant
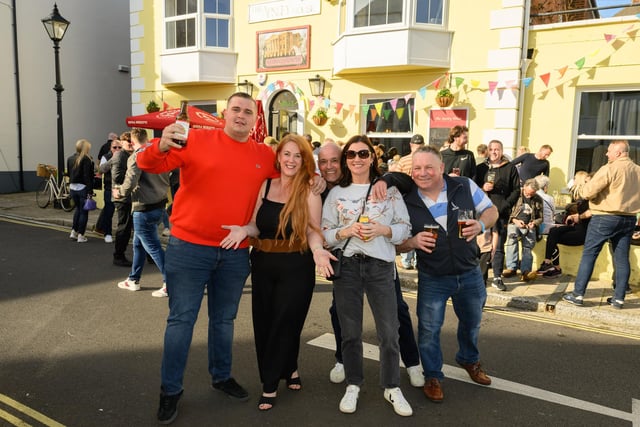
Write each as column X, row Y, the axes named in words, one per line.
column 459, row 81
column 374, row 113
column 580, row 63
column 327, row 103
column 594, row 53
column 364, row 108
column 436, row 84
column 563, row 70
column 510, row 84
column 527, row 81
column 545, row 78
column 379, row 106
column 492, row 86
column 311, row 104
column 423, row 92
column 475, row 83
column 609, row 37
column 407, row 97
column 400, row 112
column 386, row 113
column 394, row 103
column 338, row 107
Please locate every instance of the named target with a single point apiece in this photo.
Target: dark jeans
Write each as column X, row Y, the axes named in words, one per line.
column 498, row 257
column 105, row 221
column 570, row 235
column 123, row 229
column 362, row 274
column 80, row 216
column 408, row 345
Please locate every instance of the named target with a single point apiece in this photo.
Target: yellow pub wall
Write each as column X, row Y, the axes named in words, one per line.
column 551, row 113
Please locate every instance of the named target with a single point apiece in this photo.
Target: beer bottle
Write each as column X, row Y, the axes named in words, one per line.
column 183, row 120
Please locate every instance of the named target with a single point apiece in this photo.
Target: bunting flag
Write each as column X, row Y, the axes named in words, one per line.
column 407, row 97
column 338, row 107
column 311, row 104
column 563, row 70
column 423, row 92
column 386, row 114
column 400, row 112
column 327, row 103
column 459, row 81
column 609, row 37
column 374, row 113
column 475, row 83
column 394, row 103
column 364, row 108
column 545, row 78
column 527, row 81
column 437, row 83
column 580, row 63
column 492, row 87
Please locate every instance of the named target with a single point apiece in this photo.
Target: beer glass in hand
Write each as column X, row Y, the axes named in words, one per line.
column 463, row 216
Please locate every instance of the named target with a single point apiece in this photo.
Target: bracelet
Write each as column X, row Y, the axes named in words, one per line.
column 481, row 225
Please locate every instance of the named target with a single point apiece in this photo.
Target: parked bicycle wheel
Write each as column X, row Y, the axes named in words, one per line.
column 66, row 202
column 44, row 194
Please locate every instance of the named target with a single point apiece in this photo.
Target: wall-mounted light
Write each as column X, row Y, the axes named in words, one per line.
column 246, row 87
column 317, row 85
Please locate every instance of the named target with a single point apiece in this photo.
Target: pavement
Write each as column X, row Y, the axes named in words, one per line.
column 543, row 296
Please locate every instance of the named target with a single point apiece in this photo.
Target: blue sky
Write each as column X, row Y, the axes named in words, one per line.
column 610, row 12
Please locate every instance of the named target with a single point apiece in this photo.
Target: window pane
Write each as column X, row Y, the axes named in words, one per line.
column 210, row 6
column 171, row 35
column 361, row 18
column 191, row 32
column 395, row 11
column 378, row 13
column 615, row 115
column 181, row 34
column 192, row 6
column 217, row 32
column 429, row 11
column 223, row 33
column 224, row 7
column 212, row 32
column 170, row 8
column 181, row 7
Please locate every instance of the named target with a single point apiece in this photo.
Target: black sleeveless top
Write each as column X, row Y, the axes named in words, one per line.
column 267, row 218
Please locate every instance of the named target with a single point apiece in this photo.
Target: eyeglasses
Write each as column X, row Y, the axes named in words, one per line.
column 363, row 154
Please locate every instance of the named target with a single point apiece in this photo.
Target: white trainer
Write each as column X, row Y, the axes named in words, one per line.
column 400, row 404
column 82, row 239
column 415, row 376
column 336, row 375
column 162, row 292
column 349, row 401
column 108, row 238
column 130, row 285
column 73, row 235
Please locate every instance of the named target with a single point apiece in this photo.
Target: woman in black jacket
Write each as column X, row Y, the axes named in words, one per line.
column 81, row 172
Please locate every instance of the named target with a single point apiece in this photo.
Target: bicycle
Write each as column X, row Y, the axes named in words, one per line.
column 49, row 190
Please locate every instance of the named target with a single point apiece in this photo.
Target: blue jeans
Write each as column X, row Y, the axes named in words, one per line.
column 146, row 241
column 189, row 267
column 80, row 216
column 106, row 217
column 528, row 238
column 618, row 229
column 468, row 294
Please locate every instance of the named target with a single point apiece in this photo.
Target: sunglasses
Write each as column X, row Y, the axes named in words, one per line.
column 363, row 154
column 117, row 148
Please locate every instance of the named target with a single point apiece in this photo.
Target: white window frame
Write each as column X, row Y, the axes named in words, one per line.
column 218, row 16
column 351, row 11
column 200, row 28
column 414, row 12
column 366, row 99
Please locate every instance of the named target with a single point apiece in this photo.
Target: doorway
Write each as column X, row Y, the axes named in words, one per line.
column 283, row 114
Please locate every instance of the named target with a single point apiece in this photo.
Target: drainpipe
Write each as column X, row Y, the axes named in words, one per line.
column 524, row 65
column 14, row 24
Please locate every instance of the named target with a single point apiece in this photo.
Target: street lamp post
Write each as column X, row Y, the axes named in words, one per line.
column 56, row 26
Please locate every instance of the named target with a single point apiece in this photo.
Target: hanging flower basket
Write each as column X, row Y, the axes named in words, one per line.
column 320, row 117
column 444, row 97
column 152, row 107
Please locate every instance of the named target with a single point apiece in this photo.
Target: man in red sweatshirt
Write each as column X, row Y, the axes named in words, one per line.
column 221, row 173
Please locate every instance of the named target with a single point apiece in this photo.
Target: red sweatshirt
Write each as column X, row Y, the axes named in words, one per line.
column 219, row 182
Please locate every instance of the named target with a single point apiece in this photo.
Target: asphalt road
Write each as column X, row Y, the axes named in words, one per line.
column 76, row 350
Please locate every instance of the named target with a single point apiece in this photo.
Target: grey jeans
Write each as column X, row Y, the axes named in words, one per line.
column 361, row 274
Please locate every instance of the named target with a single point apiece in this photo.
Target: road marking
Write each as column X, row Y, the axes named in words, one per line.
column 13, row 420
column 32, row 413
column 371, row 352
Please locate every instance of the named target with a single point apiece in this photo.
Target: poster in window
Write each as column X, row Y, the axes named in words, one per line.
column 441, row 122
column 283, row 49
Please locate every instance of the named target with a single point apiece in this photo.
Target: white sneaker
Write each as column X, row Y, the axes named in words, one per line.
column 336, row 375
column 108, row 238
column 415, row 376
column 73, row 235
column 162, row 292
column 166, row 232
column 400, row 404
column 130, row 285
column 349, row 401
column 81, row 238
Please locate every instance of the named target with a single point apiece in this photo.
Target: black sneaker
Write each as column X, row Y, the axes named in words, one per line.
column 168, row 410
column 122, row 262
column 615, row 303
column 555, row 271
column 544, row 267
column 232, row 389
column 498, row 284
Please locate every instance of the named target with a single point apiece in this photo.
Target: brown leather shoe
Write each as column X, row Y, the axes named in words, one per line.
column 433, row 390
column 528, row 276
column 508, row 273
column 476, row 373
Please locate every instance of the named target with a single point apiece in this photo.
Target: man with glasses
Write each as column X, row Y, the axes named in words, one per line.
column 104, row 224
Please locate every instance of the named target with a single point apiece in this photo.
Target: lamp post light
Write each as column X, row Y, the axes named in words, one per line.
column 56, row 26
column 246, row 87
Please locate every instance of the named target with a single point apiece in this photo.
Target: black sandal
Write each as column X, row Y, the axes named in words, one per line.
column 294, row 382
column 266, row 400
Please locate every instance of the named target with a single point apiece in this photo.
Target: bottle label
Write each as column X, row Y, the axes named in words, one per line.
column 185, row 127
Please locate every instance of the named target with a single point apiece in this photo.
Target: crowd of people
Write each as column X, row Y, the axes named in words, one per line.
column 281, row 208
